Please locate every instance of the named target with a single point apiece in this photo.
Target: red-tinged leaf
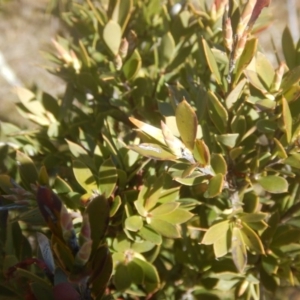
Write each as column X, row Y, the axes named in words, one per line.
column 66, row 291
column 84, row 253
column 85, row 232
column 27, row 263
column 68, row 230
column 260, row 4
column 50, row 208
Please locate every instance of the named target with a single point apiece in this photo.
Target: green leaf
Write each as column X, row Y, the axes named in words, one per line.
column 201, row 153
column 274, row 184
column 246, row 57
column 122, row 278
column 292, row 94
column 136, row 272
column 61, row 186
column 266, row 126
column 264, row 70
column 288, row 48
column 152, row 151
column 293, row 160
column 215, row 232
column 107, row 178
column 211, row 61
column 287, row 119
column 254, row 79
column 186, row 120
column 134, row 223
column 6, row 183
column 112, row 35
column 150, row 130
column 218, row 164
column 43, row 176
column 280, row 151
column 215, row 186
column 165, row 228
column 132, row 65
column 252, row 217
column 152, row 196
column 80, row 153
column 116, row 203
column 222, row 246
column 84, row 176
column 151, row 278
column 169, row 195
column 229, row 140
column 191, row 180
column 290, row 78
column 122, row 12
column 238, row 250
column 177, row 216
column 166, row 50
column 142, row 246
column 164, row 209
column 251, row 239
column 234, row 95
column 217, row 112
column 35, row 107
column 102, row 267
column 148, row 234
column 98, row 212
column 27, row 169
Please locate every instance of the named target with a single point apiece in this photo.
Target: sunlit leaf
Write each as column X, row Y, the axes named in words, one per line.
column 274, row 184
column 107, row 178
column 165, row 228
column 98, row 212
column 238, row 249
column 211, row 61
column 251, row 239
column 112, row 34
column 84, row 176
column 215, row 232
column 134, row 223
column 152, row 151
column 186, row 120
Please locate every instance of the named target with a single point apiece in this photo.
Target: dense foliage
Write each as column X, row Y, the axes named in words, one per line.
column 169, row 168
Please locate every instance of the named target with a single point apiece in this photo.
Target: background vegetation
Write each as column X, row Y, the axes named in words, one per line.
column 169, row 166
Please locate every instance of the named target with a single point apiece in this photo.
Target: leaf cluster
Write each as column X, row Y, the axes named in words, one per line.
column 168, row 169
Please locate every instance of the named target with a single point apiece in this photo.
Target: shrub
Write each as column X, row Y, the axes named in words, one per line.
column 169, row 168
